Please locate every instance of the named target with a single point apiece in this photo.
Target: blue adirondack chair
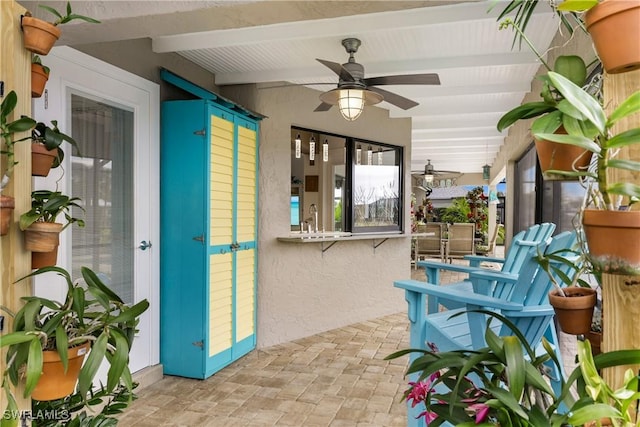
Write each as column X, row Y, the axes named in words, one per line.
column 511, row 264
column 521, row 298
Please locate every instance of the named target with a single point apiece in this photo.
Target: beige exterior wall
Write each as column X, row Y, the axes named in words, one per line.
column 302, row 291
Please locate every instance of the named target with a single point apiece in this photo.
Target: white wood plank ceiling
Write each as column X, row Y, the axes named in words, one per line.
column 481, row 76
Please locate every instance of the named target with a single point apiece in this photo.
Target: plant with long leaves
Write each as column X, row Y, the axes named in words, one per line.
column 589, row 127
column 47, row 205
column 91, row 312
column 8, row 129
column 505, row 384
column 68, row 16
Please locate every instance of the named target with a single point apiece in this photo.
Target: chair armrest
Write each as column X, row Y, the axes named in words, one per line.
column 502, row 276
column 448, row 267
column 462, row 296
column 531, row 311
column 481, row 258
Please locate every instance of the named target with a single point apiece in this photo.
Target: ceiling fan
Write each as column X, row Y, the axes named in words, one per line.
column 354, row 91
column 429, row 173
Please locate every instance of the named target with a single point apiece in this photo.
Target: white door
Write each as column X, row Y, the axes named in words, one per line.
column 114, row 117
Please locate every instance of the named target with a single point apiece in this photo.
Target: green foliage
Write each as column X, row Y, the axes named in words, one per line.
column 8, row 130
column 457, row 212
column 505, row 383
column 46, row 205
column 91, row 312
column 68, row 16
column 52, row 138
column 589, row 127
column 71, row 408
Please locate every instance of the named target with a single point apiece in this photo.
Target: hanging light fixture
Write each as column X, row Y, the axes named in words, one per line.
column 380, row 156
column 486, row 169
column 369, row 155
column 325, row 150
column 358, row 155
column 312, row 148
column 298, row 146
column 351, row 100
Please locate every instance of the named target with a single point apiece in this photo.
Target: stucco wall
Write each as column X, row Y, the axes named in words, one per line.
column 302, row 291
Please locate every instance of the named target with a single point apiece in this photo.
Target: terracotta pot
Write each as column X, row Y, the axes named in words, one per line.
column 42, row 159
column 7, row 204
column 39, row 36
column 595, row 339
column 54, row 383
column 42, row 236
column 613, row 238
column 564, row 157
column 575, row 310
column 613, row 26
column 603, row 422
column 38, row 80
column 44, row 259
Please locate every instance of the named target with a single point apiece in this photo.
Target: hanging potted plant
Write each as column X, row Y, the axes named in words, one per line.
column 46, row 151
column 7, row 132
column 39, row 76
column 41, row 231
column 50, row 340
column 39, row 36
column 557, row 161
column 612, row 230
column 613, row 26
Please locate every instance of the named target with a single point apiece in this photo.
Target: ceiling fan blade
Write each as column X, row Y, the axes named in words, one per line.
column 392, row 98
column 323, row 107
column 338, row 69
column 407, row 79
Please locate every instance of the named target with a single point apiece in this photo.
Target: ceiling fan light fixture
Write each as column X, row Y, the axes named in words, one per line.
column 351, row 101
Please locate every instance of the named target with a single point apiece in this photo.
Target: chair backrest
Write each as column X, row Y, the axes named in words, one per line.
column 523, row 241
column 494, row 237
column 429, row 244
column 461, row 239
column 533, row 291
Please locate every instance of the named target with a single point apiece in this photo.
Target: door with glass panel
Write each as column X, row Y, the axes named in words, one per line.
column 115, row 174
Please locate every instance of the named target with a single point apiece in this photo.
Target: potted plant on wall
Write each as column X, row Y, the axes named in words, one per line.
column 41, row 231
column 46, row 150
column 39, row 76
column 51, row 339
column 613, row 26
column 8, row 131
column 40, row 36
column 612, row 233
column 557, row 161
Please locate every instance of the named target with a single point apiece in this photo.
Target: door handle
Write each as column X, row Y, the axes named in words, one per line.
column 144, row 245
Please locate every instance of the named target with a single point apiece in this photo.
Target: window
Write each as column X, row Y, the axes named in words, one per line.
column 358, row 181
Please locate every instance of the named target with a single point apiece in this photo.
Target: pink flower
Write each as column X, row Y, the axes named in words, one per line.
column 428, row 416
column 480, row 410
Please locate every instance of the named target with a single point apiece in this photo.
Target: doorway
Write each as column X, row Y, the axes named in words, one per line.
column 114, row 117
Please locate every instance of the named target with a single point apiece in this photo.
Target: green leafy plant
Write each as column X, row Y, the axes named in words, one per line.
column 52, row 138
column 46, row 205
column 90, row 312
column 458, row 211
column 8, row 129
column 68, row 16
column 589, row 127
column 35, row 59
column 71, row 409
column 505, row 384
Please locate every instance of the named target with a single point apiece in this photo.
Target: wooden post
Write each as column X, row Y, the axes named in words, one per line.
column 621, row 294
column 15, row 262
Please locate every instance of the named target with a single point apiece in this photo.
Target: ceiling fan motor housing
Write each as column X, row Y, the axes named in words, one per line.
column 357, row 72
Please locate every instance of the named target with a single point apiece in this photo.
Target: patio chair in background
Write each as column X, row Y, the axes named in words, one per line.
column 460, row 240
column 429, row 245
